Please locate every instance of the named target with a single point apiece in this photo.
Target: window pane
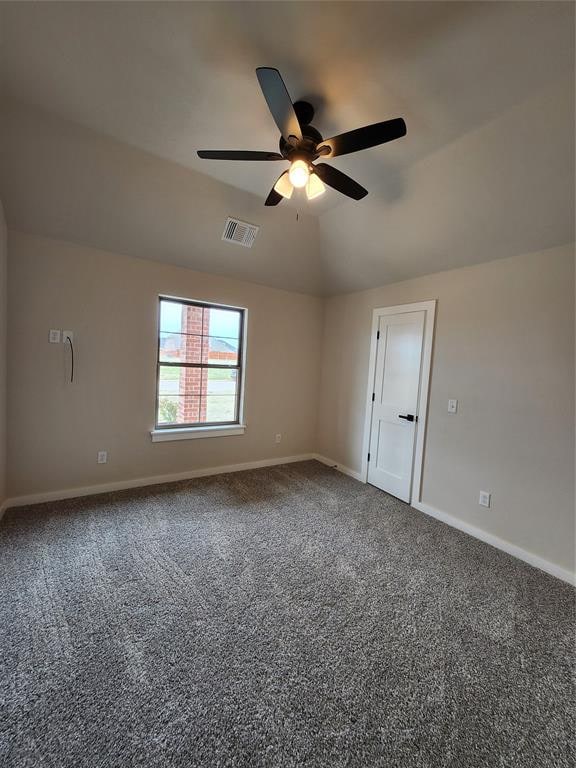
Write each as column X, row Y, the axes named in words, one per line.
column 224, row 323
column 181, row 318
column 222, row 351
column 222, row 382
column 219, row 408
column 182, row 381
column 193, row 335
column 170, row 317
column 179, row 348
column 174, row 409
column 169, row 381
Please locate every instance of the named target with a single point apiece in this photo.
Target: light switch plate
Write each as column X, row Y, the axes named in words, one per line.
column 54, row 336
column 452, row 406
column 102, row 457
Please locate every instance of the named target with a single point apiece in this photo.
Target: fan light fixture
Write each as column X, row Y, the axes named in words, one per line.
column 299, row 173
column 301, row 144
column 315, row 187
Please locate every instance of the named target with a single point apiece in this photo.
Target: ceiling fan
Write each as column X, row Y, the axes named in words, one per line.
column 301, row 144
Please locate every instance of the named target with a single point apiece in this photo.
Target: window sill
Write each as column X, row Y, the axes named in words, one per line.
column 193, row 433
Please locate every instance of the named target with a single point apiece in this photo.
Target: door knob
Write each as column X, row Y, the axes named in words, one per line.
column 408, row 417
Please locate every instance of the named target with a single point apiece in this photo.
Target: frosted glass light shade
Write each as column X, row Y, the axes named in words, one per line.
column 315, row 187
column 284, row 187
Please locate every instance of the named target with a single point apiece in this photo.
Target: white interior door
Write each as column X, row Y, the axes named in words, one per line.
column 395, row 402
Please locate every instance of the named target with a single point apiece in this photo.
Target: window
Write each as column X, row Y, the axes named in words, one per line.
column 200, row 351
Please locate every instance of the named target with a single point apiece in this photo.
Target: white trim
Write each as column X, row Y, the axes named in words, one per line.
column 121, row 485
column 340, row 467
column 496, row 541
column 454, row 522
column 193, row 433
column 429, row 307
column 244, row 343
column 488, row 538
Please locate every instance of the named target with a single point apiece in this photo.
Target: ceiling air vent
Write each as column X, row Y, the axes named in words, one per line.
column 240, row 232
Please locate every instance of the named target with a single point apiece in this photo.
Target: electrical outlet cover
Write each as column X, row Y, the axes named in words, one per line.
column 484, row 499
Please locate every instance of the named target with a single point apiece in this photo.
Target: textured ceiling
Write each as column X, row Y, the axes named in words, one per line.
column 486, row 90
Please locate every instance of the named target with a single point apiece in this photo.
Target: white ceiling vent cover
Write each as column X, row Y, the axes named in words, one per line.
column 240, row 232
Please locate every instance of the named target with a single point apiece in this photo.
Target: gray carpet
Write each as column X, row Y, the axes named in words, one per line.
column 279, row 617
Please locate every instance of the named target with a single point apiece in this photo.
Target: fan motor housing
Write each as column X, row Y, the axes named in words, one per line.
column 310, row 136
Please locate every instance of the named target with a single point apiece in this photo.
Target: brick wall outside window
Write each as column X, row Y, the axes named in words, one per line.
column 193, row 381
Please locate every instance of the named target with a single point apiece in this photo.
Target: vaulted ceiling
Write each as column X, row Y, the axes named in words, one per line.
column 485, row 171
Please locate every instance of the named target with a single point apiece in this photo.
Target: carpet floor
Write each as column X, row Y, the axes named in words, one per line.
column 280, row 617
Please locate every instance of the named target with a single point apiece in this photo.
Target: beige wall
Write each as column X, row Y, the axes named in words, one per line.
column 3, row 351
column 504, row 346
column 109, row 301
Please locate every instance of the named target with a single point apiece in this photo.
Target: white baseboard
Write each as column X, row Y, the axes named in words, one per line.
column 496, row 541
column 121, row 485
column 340, row 467
column 472, row 530
column 454, row 522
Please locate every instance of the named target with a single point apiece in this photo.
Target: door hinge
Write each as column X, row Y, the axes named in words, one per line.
column 368, row 457
column 373, row 396
column 377, row 334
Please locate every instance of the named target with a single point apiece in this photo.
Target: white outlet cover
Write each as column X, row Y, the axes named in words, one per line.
column 54, row 336
column 102, row 457
column 484, row 499
column 452, row 406
column 278, row 437
column 67, row 334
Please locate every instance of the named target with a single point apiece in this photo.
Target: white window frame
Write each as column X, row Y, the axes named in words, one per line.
column 168, row 434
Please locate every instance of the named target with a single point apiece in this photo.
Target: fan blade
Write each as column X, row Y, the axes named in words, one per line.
column 273, row 198
column 338, row 180
column 363, row 138
column 226, row 154
column 279, row 102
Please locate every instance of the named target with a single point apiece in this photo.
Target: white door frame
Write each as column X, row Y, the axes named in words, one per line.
column 429, row 307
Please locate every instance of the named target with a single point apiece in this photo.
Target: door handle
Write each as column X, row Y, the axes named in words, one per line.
column 408, row 417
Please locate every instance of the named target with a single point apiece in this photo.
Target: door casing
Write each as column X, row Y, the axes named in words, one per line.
column 429, row 307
